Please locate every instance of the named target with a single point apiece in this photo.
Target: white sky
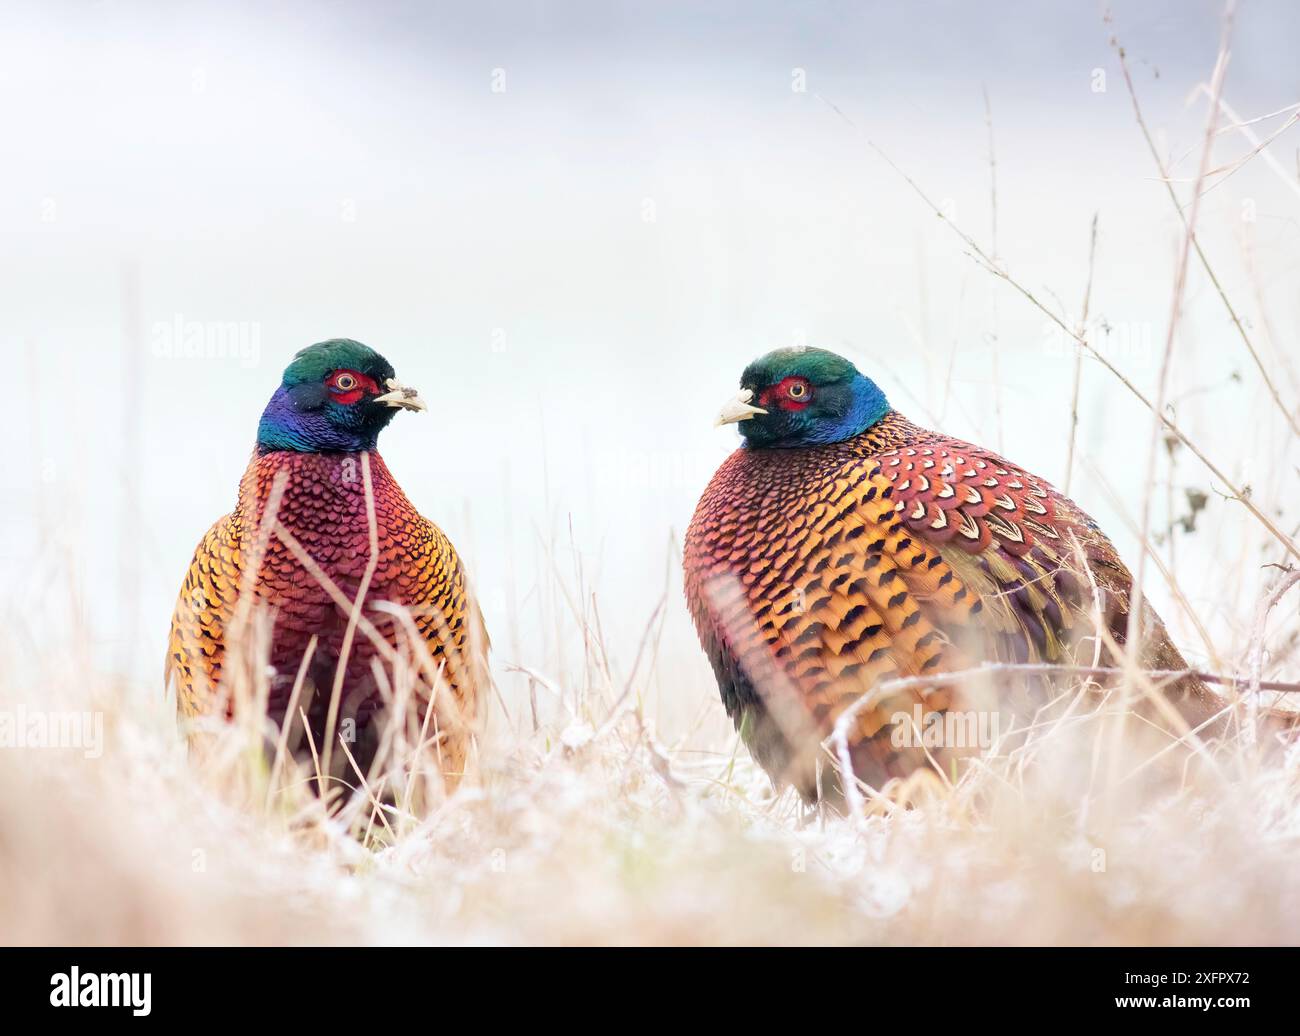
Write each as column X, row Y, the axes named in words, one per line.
column 347, row 170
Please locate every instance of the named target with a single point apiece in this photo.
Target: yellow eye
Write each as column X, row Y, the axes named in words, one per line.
column 345, row 383
column 798, row 390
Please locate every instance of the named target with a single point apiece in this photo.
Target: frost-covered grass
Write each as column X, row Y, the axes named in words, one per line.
column 592, row 831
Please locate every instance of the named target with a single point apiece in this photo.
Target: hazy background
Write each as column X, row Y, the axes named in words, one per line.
column 570, row 226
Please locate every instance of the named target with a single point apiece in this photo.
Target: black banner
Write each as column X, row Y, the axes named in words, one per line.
column 142, row 985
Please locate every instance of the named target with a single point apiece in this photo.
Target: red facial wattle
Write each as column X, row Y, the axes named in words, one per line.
column 348, row 387
column 790, row 393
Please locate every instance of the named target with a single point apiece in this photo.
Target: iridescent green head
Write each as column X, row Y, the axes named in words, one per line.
column 334, row 395
column 803, row 397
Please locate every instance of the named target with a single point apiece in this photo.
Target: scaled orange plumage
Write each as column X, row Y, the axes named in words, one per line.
column 844, row 547
column 418, row 584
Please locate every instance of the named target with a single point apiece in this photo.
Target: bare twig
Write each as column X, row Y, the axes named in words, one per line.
column 282, row 741
column 993, row 251
column 837, row 741
column 1133, row 637
column 1081, row 331
column 1216, row 103
column 616, row 709
column 981, row 257
column 340, row 599
column 1270, row 601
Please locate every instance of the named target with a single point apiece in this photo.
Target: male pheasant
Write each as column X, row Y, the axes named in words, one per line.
column 842, row 547
column 315, row 440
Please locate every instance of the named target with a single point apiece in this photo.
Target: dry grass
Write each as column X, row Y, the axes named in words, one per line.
column 591, row 831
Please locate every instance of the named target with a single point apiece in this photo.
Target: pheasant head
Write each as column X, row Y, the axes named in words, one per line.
column 803, row 397
column 335, row 395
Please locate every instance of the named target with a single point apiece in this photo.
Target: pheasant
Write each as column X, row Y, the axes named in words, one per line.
column 843, row 549
column 305, row 493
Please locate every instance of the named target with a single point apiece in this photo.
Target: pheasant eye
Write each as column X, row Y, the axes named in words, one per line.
column 345, row 382
column 798, row 390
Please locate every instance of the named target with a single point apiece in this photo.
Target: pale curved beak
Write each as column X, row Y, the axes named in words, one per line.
column 738, row 409
column 399, row 395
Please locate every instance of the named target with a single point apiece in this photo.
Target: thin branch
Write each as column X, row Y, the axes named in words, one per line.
column 1216, row 104
column 837, row 741
column 282, row 742
column 979, row 255
column 339, row 598
column 1133, row 637
column 1270, row 601
column 993, row 248
column 1261, row 147
column 1078, row 359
